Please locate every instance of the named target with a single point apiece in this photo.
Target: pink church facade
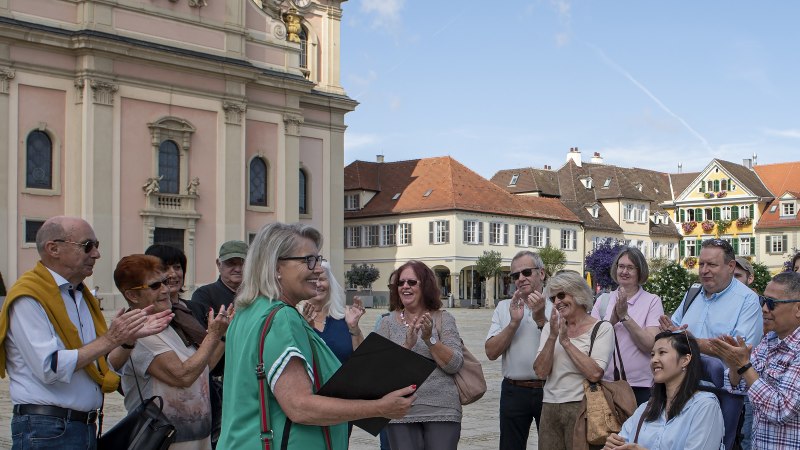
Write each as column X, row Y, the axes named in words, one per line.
column 188, row 122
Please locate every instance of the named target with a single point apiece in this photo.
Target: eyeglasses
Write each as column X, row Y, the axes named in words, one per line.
column 88, row 246
column 154, row 286
column 560, row 296
column 400, row 283
column 311, row 260
column 628, row 268
column 685, row 333
column 772, row 301
column 524, row 272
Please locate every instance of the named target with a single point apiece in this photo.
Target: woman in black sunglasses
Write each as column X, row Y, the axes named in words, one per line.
column 164, row 364
column 417, row 322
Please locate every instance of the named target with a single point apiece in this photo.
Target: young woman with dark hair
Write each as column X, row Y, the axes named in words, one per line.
column 678, row 415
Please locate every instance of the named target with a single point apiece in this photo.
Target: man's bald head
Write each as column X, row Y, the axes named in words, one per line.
column 58, row 227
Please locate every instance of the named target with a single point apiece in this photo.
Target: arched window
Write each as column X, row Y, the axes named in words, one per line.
column 169, row 167
column 303, row 35
column 258, row 182
column 303, row 197
column 39, row 161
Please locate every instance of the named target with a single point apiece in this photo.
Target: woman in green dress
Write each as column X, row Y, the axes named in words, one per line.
column 281, row 269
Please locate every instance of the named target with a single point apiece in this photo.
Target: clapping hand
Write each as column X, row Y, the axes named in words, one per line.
column 516, row 307
column 666, row 324
column 620, row 307
column 412, row 333
column 308, row 311
column 218, row 323
column 536, row 302
column 353, row 313
column 734, row 351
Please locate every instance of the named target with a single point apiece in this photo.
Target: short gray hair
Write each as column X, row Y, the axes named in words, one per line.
column 49, row 231
column 790, row 281
column 537, row 260
column 273, row 241
column 571, row 283
column 638, row 260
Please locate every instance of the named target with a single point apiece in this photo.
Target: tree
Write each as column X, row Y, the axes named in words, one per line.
column 362, row 275
column 598, row 263
column 488, row 265
column 670, row 283
column 553, row 259
column 761, row 277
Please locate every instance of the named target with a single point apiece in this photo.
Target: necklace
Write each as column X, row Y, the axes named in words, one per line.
column 403, row 318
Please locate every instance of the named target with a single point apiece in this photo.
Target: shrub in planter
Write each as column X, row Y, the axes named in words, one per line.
column 688, row 227
column 707, row 225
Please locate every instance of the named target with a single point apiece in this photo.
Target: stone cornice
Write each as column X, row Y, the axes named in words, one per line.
column 6, row 75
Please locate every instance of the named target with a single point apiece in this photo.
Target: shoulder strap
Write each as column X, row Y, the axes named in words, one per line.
column 639, row 428
column 266, row 430
column 691, row 294
column 594, row 335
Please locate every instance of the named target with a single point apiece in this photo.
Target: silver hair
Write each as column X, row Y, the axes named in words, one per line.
column 571, row 283
column 790, row 282
column 638, row 260
column 336, row 296
column 537, row 260
column 273, row 241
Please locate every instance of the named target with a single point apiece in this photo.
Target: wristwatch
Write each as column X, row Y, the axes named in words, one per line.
column 627, row 317
column 432, row 341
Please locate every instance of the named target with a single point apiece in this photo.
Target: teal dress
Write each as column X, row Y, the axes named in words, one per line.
column 289, row 337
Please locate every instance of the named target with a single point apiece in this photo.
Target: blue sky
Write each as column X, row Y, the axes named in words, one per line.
column 503, row 84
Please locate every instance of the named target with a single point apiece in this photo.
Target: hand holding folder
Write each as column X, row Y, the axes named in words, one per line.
column 377, row 367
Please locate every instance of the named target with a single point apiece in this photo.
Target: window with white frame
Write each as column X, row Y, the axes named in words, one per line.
column 641, row 213
column 691, row 247
column 352, row 202
column 404, row 234
column 352, row 237
column 540, row 237
column 522, row 235
column 439, row 231
column 657, row 249
column 744, row 246
column 587, row 182
column 725, row 213
column 371, row 233
column 569, row 239
column 744, row 211
column 498, row 233
column 776, row 243
column 388, row 235
column 672, row 250
column 787, row 209
column 514, row 179
column 473, row 232
column 628, row 212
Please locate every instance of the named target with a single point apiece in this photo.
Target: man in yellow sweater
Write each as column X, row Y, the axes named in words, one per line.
column 54, row 341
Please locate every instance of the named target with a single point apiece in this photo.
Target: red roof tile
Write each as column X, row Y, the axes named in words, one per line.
column 779, row 178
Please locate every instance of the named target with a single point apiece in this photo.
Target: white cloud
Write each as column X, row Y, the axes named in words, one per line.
column 386, row 13
column 793, row 134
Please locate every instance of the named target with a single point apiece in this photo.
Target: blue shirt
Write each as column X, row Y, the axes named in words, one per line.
column 735, row 311
column 699, row 426
column 337, row 336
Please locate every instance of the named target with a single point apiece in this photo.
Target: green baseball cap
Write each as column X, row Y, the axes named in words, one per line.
column 232, row 249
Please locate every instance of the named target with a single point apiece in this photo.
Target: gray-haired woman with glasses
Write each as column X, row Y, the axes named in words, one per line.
column 634, row 313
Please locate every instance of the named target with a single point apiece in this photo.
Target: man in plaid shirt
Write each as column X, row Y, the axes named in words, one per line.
column 771, row 373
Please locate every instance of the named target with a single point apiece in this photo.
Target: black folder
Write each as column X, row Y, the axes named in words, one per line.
column 378, row 366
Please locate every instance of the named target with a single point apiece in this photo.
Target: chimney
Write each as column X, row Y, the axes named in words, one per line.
column 755, row 159
column 680, row 167
column 379, row 158
column 547, row 167
column 574, row 155
column 747, row 162
column 597, row 159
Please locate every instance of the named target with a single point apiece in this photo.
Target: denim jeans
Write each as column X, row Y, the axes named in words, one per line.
column 32, row 432
column 747, row 426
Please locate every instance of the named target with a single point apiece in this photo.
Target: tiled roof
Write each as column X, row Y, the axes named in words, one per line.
column 530, row 180
column 680, row 181
column 449, row 185
column 779, row 178
column 747, row 177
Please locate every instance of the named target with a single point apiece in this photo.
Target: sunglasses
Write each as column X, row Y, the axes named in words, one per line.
column 88, row 246
column 524, row 272
column 771, row 302
column 311, row 260
column 400, row 283
column 560, row 296
column 154, row 286
column 685, row 333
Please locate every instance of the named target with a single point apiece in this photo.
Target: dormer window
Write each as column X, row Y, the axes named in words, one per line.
column 352, row 202
column 514, row 179
column 607, row 183
column 587, row 182
column 639, row 186
column 595, row 211
column 396, row 196
column 788, row 209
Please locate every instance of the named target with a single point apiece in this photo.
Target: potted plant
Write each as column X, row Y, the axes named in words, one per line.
column 721, row 194
column 708, row 195
column 722, row 226
column 743, row 222
column 688, row 227
column 690, row 261
column 707, row 225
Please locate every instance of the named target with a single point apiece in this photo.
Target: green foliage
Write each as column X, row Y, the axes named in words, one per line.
column 657, row 264
column 362, row 275
column 761, row 277
column 670, row 283
column 553, row 259
column 489, row 264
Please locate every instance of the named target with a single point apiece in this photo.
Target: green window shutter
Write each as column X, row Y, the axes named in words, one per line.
column 753, row 246
column 715, row 213
column 698, row 215
column 716, row 185
column 734, row 212
column 698, row 246
column 752, row 207
column 702, row 187
column 466, row 235
column 682, row 215
column 768, row 241
column 735, row 242
column 681, row 248
column 480, row 232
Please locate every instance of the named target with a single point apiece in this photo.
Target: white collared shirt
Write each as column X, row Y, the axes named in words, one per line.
column 30, row 344
column 517, row 360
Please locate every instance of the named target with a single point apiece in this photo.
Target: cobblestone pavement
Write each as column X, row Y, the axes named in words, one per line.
column 479, row 427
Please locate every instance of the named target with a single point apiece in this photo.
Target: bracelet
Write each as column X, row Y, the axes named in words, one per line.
column 356, row 333
column 128, row 347
column 744, row 368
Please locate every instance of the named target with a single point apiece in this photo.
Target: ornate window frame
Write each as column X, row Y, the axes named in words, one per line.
column 180, row 131
column 270, row 202
column 55, row 162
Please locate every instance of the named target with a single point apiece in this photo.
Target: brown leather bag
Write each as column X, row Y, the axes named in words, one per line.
column 469, row 380
column 608, row 404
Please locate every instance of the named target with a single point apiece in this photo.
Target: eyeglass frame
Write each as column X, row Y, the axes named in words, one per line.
column 561, row 296
column 88, row 246
column 154, row 286
column 771, row 302
column 516, row 275
column 317, row 259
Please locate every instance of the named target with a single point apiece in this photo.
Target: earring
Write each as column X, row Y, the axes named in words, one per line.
column 683, row 369
column 279, row 277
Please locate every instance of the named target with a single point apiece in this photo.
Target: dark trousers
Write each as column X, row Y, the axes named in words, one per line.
column 519, row 406
column 215, row 392
column 642, row 394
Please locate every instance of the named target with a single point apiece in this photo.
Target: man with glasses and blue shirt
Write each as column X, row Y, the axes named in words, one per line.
column 770, row 372
column 514, row 334
column 54, row 341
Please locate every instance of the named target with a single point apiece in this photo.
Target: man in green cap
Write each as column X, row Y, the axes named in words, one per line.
column 230, row 264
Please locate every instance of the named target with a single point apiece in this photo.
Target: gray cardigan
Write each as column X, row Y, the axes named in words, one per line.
column 439, row 391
